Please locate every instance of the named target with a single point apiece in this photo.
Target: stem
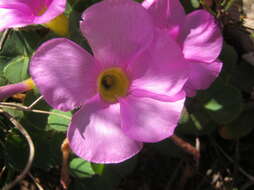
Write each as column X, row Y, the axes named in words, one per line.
column 187, row 147
column 15, row 106
column 65, row 178
column 35, row 102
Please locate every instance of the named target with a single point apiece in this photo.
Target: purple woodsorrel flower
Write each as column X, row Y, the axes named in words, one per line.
column 197, row 34
column 20, row 13
column 11, row 89
column 130, row 92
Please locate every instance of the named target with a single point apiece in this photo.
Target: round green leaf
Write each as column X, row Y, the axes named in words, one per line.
column 13, row 45
column 81, row 168
column 195, row 3
column 17, row 114
column 16, row 150
column 110, row 178
column 222, row 102
column 59, row 123
column 243, row 77
column 229, row 58
column 240, row 127
column 3, row 80
column 16, row 70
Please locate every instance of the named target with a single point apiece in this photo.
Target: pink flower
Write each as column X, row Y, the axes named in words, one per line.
column 11, row 89
column 130, row 92
column 20, row 13
column 197, row 34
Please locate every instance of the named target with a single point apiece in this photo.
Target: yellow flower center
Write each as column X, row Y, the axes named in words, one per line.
column 112, row 83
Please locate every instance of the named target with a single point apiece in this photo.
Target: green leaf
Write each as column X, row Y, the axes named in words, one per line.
column 35, row 120
column 240, row 127
column 47, row 147
column 13, row 46
column 98, row 168
column 222, row 102
column 59, row 123
column 16, row 150
column 3, row 80
column 15, row 113
column 243, row 77
column 16, row 70
column 213, row 105
column 47, row 143
column 81, row 168
column 229, row 57
column 109, row 180
column 3, row 62
column 195, row 3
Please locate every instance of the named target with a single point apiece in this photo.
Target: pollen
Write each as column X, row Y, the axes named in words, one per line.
column 112, row 83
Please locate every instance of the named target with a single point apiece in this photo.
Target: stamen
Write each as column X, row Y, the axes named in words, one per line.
column 107, row 82
column 112, row 83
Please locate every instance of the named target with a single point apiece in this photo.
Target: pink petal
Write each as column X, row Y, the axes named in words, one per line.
column 201, row 76
column 201, row 37
column 149, row 120
column 161, row 69
column 64, row 73
column 117, row 30
column 54, row 8
column 189, row 90
column 160, row 97
column 14, row 14
column 19, row 13
column 11, row 89
column 95, row 134
column 167, row 14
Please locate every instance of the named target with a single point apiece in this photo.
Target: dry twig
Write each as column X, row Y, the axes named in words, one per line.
column 35, row 102
column 187, row 147
column 240, row 169
column 35, row 182
column 31, row 150
column 2, row 171
column 20, row 107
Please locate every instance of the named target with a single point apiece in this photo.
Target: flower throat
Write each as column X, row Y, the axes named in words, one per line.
column 112, row 83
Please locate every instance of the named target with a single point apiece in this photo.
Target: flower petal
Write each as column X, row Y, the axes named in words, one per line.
column 117, row 30
column 53, row 9
column 201, row 76
column 167, row 14
column 161, row 69
column 201, row 37
column 95, row 134
column 149, row 120
column 14, row 14
column 64, row 73
column 19, row 13
column 11, row 89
